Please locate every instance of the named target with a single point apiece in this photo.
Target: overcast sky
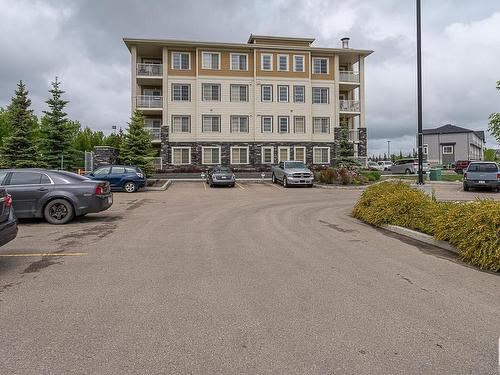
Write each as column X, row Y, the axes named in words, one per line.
column 80, row 41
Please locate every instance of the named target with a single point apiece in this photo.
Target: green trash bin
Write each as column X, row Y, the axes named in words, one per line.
column 435, row 175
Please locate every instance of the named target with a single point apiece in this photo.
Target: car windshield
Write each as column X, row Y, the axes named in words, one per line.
column 294, row 165
column 223, row 170
column 485, row 167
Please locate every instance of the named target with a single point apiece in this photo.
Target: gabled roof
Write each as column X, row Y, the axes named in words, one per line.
column 453, row 129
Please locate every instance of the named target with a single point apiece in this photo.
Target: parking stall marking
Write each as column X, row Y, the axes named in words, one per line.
column 240, row 186
column 43, row 254
column 274, row 186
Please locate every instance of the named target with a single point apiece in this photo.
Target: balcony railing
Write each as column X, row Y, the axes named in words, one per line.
column 155, row 133
column 349, row 76
column 150, row 70
column 353, row 135
column 149, row 101
column 349, row 106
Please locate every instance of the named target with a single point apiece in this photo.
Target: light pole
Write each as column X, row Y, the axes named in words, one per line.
column 419, row 98
column 389, row 149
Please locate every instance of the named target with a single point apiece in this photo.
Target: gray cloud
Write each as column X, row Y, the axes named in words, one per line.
column 80, row 41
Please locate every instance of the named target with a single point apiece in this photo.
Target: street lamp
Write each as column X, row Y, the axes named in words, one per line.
column 419, row 98
column 389, row 149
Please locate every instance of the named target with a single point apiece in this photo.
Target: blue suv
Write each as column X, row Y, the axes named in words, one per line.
column 121, row 177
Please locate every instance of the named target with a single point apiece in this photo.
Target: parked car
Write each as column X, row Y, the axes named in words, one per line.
column 8, row 221
column 127, row 178
column 56, row 196
column 482, row 174
column 385, row 164
column 373, row 166
column 220, row 175
column 292, row 173
column 408, row 166
column 461, row 165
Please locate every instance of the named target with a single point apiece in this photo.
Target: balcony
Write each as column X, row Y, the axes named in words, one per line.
column 149, row 70
column 155, row 133
column 353, row 135
column 349, row 106
column 149, row 101
column 349, row 76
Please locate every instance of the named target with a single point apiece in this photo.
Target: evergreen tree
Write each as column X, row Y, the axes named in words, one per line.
column 346, row 147
column 4, row 126
column 494, row 122
column 19, row 149
column 136, row 146
column 114, row 140
column 87, row 139
column 57, row 132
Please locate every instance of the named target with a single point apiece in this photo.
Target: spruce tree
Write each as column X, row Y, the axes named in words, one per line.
column 19, row 149
column 57, row 132
column 136, row 146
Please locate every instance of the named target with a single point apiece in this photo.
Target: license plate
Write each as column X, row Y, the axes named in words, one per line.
column 110, row 199
column 482, row 182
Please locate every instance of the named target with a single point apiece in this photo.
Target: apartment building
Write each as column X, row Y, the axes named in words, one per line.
column 248, row 104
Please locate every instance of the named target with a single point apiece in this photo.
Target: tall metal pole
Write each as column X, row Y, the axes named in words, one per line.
column 389, row 149
column 419, row 98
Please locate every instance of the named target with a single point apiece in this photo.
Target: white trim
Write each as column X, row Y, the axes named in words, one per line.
column 231, row 61
column 181, row 52
column 213, row 53
column 314, row 155
column 303, row 64
column 295, row 117
column 262, row 154
column 240, row 147
column 449, row 153
column 180, row 148
column 321, row 58
column 287, row 153
column 172, row 124
column 262, row 96
column 279, row 124
column 203, row 155
column 287, row 93
column 262, row 124
column 278, row 63
column 295, row 153
column 262, row 60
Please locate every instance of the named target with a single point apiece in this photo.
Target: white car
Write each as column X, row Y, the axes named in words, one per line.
column 385, row 165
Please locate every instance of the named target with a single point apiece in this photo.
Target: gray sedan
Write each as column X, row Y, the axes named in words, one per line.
column 56, row 196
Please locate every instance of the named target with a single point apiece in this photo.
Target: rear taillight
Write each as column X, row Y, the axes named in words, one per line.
column 8, row 201
column 100, row 189
column 498, row 176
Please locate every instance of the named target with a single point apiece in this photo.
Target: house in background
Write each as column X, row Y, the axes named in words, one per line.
column 449, row 143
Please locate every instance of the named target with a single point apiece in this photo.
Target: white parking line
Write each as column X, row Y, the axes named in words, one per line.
column 274, row 186
column 240, row 186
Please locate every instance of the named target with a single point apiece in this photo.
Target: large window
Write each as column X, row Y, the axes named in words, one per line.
column 266, row 62
column 321, row 155
column 267, row 93
column 283, row 154
column 239, row 155
column 282, row 94
column 267, row 155
column 239, row 124
column 210, row 124
column 239, row 93
column 267, row 124
column 283, row 63
column 181, row 92
column 298, row 63
column 210, row 155
column 448, row 150
column 283, row 123
column 320, row 95
column 239, row 61
column 181, row 60
column 210, row 91
column 181, row 155
column 211, row 60
column 299, row 95
column 181, row 124
column 320, row 65
column 299, row 124
column 321, row 125
column 300, row 154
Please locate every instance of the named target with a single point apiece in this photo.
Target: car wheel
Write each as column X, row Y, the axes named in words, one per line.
column 273, row 178
column 130, row 187
column 407, row 171
column 210, row 183
column 285, row 182
column 58, row 211
column 466, row 188
column 310, row 185
column 232, row 185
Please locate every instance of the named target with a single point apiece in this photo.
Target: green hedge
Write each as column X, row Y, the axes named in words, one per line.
column 472, row 227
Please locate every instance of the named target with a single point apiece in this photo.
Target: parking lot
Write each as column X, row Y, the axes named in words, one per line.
column 253, row 279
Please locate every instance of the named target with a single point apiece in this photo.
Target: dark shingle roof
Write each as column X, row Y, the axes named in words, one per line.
column 451, row 129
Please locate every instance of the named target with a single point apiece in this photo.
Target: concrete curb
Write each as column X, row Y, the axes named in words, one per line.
column 164, row 187
column 419, row 236
column 342, row 187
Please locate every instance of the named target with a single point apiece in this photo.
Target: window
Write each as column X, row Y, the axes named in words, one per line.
column 283, row 94
column 2, row 177
column 181, row 92
column 266, row 62
column 117, row 170
column 152, row 122
column 239, row 155
column 267, row 155
column 283, row 124
column 181, row 155
column 27, row 178
column 320, row 65
column 151, row 92
column 210, row 124
column 321, row 125
column 283, row 154
column 447, row 150
column 283, row 63
column 239, row 124
column 211, row 60
column 299, row 124
column 101, row 171
column 425, row 149
column 267, row 93
column 300, row 154
column 320, row 95
column 299, row 94
column 210, row 155
column 298, row 63
column 321, row 155
column 267, row 124
column 239, row 61
column 210, row 91
column 181, row 124
column 181, row 60
column 239, row 93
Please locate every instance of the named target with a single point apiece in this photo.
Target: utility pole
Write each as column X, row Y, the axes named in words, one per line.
column 389, row 149
column 419, row 98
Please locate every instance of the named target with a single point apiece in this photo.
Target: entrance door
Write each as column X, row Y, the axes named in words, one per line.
column 448, row 152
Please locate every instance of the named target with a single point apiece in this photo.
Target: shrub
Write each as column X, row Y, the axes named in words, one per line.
column 345, row 176
column 327, row 176
column 371, row 176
